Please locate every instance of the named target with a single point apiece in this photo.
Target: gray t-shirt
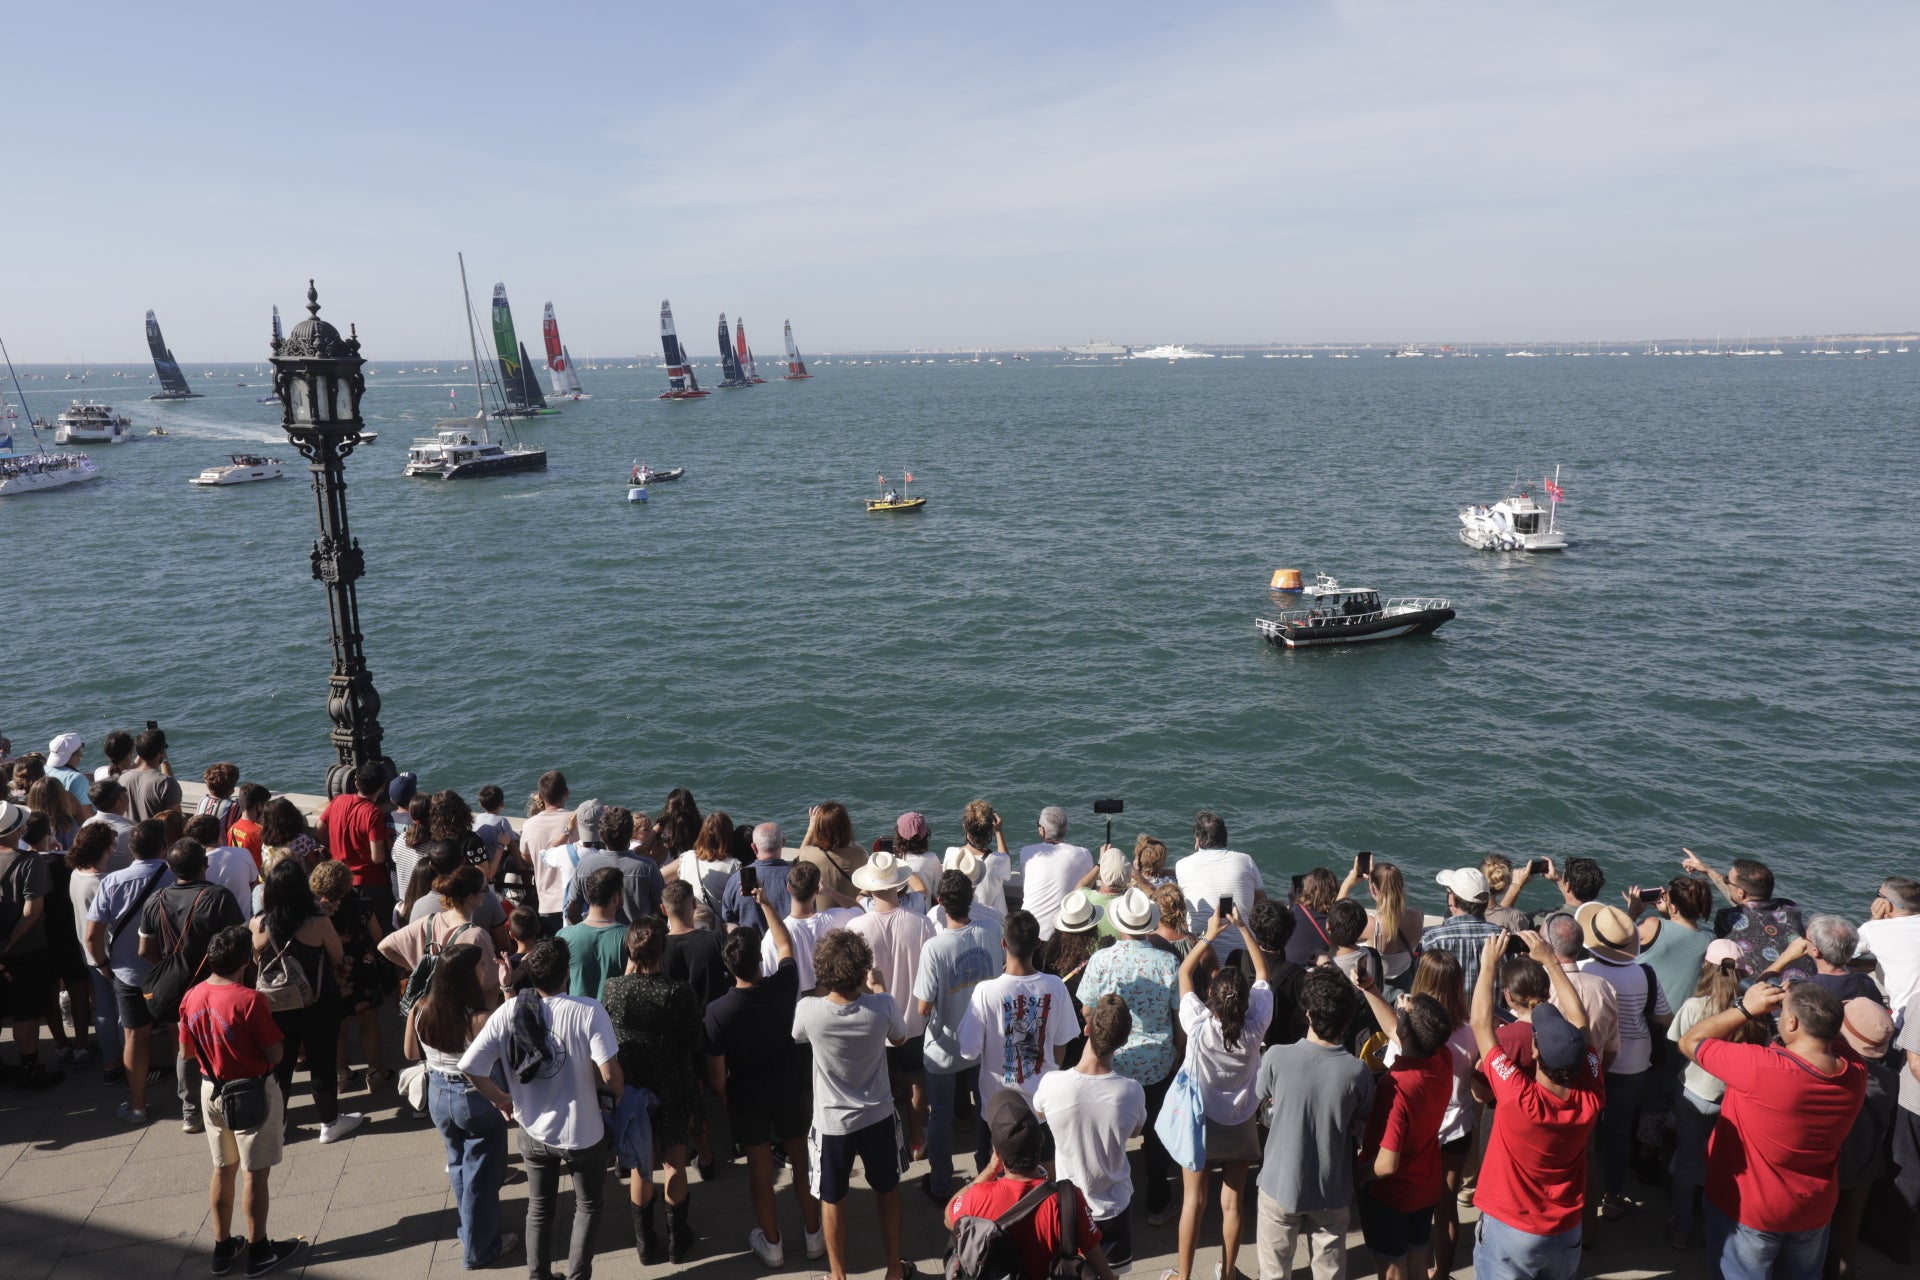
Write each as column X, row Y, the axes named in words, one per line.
column 1321, row 1100
column 642, row 885
column 850, row 1089
column 952, row 963
column 150, row 791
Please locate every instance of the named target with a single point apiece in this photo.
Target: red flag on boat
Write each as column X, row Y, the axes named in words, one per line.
column 1554, row 491
column 909, row 477
column 883, row 479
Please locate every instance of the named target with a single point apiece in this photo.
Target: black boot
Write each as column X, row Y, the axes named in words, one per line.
column 680, row 1237
column 645, row 1238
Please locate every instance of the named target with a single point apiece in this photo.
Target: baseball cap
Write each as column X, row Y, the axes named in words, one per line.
column 63, row 747
column 1015, row 1129
column 590, row 816
column 1466, row 883
column 911, row 826
column 402, row 790
column 1559, row 1043
column 1721, row 950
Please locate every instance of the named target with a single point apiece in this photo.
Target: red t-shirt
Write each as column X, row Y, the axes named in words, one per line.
column 1409, row 1102
column 244, row 834
column 352, row 824
column 1773, row 1162
column 227, row 1028
column 1534, row 1177
column 1037, row 1237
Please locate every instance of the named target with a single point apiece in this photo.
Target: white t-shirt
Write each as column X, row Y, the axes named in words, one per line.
column 976, row 913
column 709, row 879
column 991, row 892
column 1014, row 1025
column 1226, row 1075
column 806, row 935
column 1050, row 872
column 1895, row 942
column 233, row 870
column 1091, row 1118
column 1203, row 876
column 560, row 1106
column 1629, row 983
column 895, row 938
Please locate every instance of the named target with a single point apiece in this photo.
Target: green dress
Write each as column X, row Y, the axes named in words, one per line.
column 657, row 1021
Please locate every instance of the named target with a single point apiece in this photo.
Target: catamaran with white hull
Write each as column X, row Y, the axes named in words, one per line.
column 40, row 469
column 462, row 448
column 566, row 383
column 173, row 383
column 681, row 384
column 796, row 367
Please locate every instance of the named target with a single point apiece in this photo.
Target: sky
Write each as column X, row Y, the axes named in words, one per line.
column 894, row 175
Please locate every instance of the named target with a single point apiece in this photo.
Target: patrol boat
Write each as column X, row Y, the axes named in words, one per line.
column 1349, row 615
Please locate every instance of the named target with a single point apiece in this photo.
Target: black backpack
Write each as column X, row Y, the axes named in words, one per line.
column 983, row 1248
column 167, row 983
column 422, row 976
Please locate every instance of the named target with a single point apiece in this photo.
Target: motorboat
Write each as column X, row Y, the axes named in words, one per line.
column 895, row 504
column 462, row 452
column 1350, row 615
column 644, row 475
column 1172, row 353
column 1517, row 522
column 35, row 472
column 244, row 468
column 88, row 422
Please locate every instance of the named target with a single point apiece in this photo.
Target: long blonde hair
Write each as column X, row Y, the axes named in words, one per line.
column 1390, row 893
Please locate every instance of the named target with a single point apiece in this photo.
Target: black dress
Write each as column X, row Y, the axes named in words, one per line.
column 657, row 1021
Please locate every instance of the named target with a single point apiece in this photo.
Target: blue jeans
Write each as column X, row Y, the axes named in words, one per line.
column 1738, row 1252
column 476, row 1136
column 106, row 1018
column 1616, row 1129
column 1693, row 1121
column 941, row 1090
column 1508, row 1253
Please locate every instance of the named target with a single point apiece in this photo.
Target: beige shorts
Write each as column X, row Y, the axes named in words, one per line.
column 253, row 1151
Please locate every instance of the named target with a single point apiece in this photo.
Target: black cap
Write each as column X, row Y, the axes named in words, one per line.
column 1015, row 1129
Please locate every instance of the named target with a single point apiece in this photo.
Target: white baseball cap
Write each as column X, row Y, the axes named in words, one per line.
column 1466, row 883
column 61, row 749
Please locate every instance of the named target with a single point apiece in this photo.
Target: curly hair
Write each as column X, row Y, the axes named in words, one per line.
column 1318, row 889
column 1150, row 856
column 1346, row 921
column 1272, row 924
column 1109, row 1025
column 841, row 961
column 1227, row 1002
column 91, row 846
column 282, row 824
column 449, row 818
column 977, row 822
column 221, row 779
column 330, row 880
column 1329, row 1001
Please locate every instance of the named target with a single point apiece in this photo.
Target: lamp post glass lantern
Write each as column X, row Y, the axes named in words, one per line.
column 316, row 375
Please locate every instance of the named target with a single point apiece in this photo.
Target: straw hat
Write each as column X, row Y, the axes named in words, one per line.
column 1079, row 913
column 1134, row 912
column 969, row 865
column 881, row 873
column 1609, row 933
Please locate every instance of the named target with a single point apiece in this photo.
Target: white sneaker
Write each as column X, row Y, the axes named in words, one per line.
column 816, row 1243
column 773, row 1255
column 346, row 1123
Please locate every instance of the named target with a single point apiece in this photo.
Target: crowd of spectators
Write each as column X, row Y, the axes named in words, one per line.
column 599, row 976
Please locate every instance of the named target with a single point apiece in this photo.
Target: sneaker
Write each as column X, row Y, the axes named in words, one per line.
column 190, row 1122
column 130, row 1116
column 225, row 1252
column 268, row 1254
column 816, row 1243
column 86, row 1055
column 345, row 1124
column 767, row 1251
column 155, row 1075
column 33, row 1074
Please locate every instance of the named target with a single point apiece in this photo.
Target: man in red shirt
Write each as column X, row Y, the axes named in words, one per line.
column 226, row 1027
column 1773, row 1163
column 1015, row 1170
column 1533, row 1182
column 1401, row 1150
column 360, row 834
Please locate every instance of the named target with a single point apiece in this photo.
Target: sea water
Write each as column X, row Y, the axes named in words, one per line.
column 1724, row 659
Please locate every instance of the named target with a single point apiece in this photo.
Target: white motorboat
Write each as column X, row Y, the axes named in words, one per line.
column 244, row 469
column 1349, row 615
column 1172, row 353
column 1517, row 522
column 34, row 472
column 86, row 422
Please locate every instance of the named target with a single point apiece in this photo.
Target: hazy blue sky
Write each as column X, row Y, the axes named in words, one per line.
column 902, row 174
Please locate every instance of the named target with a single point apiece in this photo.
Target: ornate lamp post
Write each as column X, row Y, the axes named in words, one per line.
column 316, row 375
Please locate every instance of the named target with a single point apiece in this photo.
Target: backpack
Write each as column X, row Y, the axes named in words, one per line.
column 167, row 982
column 422, row 975
column 283, row 980
column 983, row 1248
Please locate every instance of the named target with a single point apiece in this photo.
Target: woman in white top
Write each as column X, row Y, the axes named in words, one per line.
column 709, row 864
column 1224, row 1032
column 987, row 842
column 439, row 1028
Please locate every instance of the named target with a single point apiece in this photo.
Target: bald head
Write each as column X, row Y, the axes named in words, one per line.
column 766, row 840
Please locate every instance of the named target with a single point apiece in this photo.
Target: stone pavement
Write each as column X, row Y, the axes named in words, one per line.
column 82, row 1197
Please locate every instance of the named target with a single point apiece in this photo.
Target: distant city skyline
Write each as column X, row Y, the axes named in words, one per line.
column 891, row 177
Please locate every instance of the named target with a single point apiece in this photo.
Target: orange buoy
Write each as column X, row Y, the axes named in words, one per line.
column 1287, row 580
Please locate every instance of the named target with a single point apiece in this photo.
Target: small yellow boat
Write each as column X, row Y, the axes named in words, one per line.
column 898, row 504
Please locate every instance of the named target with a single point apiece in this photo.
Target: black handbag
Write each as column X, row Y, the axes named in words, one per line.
column 243, row 1103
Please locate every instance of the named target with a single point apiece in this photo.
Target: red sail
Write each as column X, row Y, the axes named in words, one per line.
column 556, row 354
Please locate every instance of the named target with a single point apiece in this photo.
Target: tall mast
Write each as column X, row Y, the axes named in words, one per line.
column 473, row 343
column 21, row 395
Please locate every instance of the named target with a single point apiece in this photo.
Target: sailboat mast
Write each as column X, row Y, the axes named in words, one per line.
column 21, row 396
column 473, row 344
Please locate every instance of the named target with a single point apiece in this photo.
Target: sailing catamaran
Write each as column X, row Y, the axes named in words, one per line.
column 463, row 447
column 521, row 388
column 42, row 468
column 796, row 367
column 681, row 384
column 566, row 383
column 731, row 374
column 745, row 352
column 173, row 383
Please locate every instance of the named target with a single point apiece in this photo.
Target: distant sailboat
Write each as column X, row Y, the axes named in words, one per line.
column 796, row 367
column 173, row 383
column 731, row 374
column 566, row 383
column 517, row 382
column 271, row 399
column 681, row 384
column 745, row 352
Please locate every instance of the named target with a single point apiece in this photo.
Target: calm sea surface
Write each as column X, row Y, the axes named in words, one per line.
column 1725, row 659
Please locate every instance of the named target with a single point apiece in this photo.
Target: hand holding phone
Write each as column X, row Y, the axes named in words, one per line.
column 1226, row 906
column 1540, row 867
column 1363, row 863
column 749, row 879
